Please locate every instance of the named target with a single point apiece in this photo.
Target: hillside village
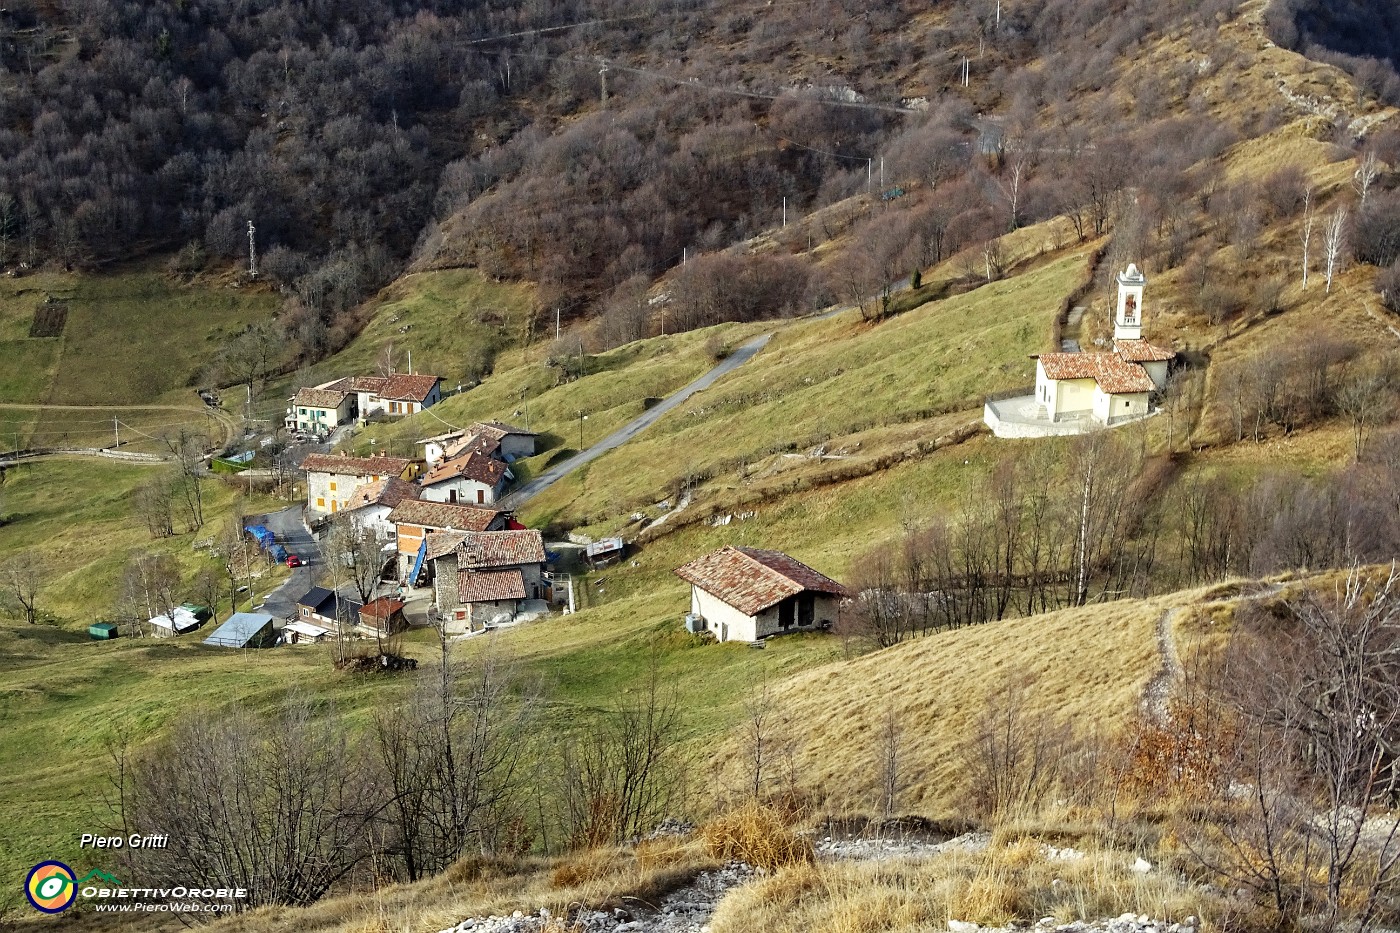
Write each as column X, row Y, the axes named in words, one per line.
column 912, row 467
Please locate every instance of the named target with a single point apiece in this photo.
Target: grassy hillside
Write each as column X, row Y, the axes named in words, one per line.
column 131, row 336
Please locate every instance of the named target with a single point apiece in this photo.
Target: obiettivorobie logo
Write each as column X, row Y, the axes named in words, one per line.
column 52, row 888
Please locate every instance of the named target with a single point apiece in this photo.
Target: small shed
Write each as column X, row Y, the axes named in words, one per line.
column 383, row 616
column 201, row 613
column 103, row 631
column 298, row 632
column 178, row 622
column 245, row 630
column 604, row 552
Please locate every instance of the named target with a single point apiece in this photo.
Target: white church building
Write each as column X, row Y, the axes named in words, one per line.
column 1075, row 392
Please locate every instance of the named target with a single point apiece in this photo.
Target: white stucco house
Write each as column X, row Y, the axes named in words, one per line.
column 321, row 409
column 492, row 438
column 474, row 478
column 373, row 502
column 747, row 594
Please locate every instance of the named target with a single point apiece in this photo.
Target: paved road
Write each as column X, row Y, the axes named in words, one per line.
column 291, row 534
column 625, row 433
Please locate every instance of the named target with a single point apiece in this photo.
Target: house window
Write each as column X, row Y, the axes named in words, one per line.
column 332, row 486
column 320, row 502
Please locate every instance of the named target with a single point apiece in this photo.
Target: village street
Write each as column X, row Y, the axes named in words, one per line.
column 625, row 433
column 293, row 535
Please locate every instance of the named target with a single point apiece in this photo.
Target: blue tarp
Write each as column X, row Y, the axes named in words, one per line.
column 278, row 552
column 418, row 562
column 264, row 536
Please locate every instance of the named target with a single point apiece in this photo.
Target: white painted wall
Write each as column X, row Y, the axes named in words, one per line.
column 1157, row 372
column 468, row 491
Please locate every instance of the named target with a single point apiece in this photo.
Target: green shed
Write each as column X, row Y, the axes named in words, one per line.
column 103, row 631
column 202, row 613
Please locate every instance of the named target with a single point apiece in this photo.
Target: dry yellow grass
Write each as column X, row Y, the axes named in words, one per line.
column 475, row 887
column 1084, row 666
column 1015, row 881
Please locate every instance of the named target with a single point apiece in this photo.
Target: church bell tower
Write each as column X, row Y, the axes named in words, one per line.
column 1127, row 322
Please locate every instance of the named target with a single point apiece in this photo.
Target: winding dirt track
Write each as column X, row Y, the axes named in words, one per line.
column 226, row 422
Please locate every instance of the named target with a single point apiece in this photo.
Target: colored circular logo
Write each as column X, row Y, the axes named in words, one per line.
column 51, row 887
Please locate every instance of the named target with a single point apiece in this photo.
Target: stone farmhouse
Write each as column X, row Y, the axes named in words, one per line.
column 483, row 577
column 748, row 594
column 332, row 481
column 416, row 520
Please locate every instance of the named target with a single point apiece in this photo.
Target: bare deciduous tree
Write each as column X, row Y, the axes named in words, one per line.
column 282, row 806
column 1334, row 239
column 1368, row 169
column 21, row 577
column 447, row 760
column 623, row 774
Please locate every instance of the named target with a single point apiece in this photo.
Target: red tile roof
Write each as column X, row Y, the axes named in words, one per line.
column 1140, row 351
column 479, row 586
column 355, row 466
column 388, row 491
column 751, row 579
column 319, row 398
column 381, row 608
column 487, row 549
column 403, row 387
column 1113, row 375
column 485, row 444
column 445, row 515
column 474, row 466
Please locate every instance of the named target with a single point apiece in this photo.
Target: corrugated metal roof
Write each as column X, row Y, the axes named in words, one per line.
column 241, row 628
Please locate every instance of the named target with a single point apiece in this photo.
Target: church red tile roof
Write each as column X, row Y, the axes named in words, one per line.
column 1140, row 351
column 752, row 579
column 1115, row 376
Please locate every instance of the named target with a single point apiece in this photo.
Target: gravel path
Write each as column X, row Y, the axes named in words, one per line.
column 1157, row 696
column 687, row 910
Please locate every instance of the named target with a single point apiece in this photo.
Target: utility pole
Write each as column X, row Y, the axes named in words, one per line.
column 998, row 14
column 117, row 433
column 784, row 212
column 603, row 78
column 557, row 332
column 868, row 164
column 882, row 173
column 252, row 252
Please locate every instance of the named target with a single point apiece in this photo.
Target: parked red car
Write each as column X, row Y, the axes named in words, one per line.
column 294, row 561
